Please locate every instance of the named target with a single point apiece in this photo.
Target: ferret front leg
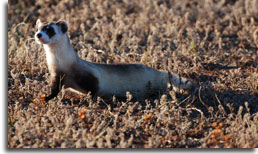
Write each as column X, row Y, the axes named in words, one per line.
column 56, row 85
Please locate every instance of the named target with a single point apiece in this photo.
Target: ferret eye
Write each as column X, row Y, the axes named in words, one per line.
column 50, row 31
column 48, row 27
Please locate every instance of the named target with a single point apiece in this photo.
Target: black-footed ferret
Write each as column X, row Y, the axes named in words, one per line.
column 105, row 80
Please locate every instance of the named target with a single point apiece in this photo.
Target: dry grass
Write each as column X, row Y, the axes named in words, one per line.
column 212, row 42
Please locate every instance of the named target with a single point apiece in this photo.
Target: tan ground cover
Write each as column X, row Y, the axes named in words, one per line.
column 214, row 43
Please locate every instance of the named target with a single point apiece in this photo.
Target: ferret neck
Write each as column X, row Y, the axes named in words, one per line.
column 60, row 54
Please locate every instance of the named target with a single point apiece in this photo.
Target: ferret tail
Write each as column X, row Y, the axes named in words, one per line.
column 180, row 82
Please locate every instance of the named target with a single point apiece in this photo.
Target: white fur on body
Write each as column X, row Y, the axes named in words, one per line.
column 138, row 79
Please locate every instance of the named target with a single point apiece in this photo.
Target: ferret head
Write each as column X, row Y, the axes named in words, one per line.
column 48, row 33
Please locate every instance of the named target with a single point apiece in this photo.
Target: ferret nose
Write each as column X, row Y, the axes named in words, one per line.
column 39, row 35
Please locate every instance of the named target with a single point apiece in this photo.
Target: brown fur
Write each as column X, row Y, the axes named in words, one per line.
column 56, row 84
column 122, row 68
column 84, row 79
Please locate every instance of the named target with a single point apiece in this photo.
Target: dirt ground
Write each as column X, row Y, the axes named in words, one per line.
column 213, row 42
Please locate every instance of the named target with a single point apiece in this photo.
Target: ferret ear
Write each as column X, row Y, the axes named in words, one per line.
column 38, row 23
column 63, row 25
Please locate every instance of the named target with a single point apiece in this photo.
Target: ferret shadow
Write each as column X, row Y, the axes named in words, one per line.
column 226, row 101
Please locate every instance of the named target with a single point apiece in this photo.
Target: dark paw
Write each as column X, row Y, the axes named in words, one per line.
column 48, row 98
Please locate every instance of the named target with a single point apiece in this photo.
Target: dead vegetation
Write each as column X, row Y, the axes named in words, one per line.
column 213, row 42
